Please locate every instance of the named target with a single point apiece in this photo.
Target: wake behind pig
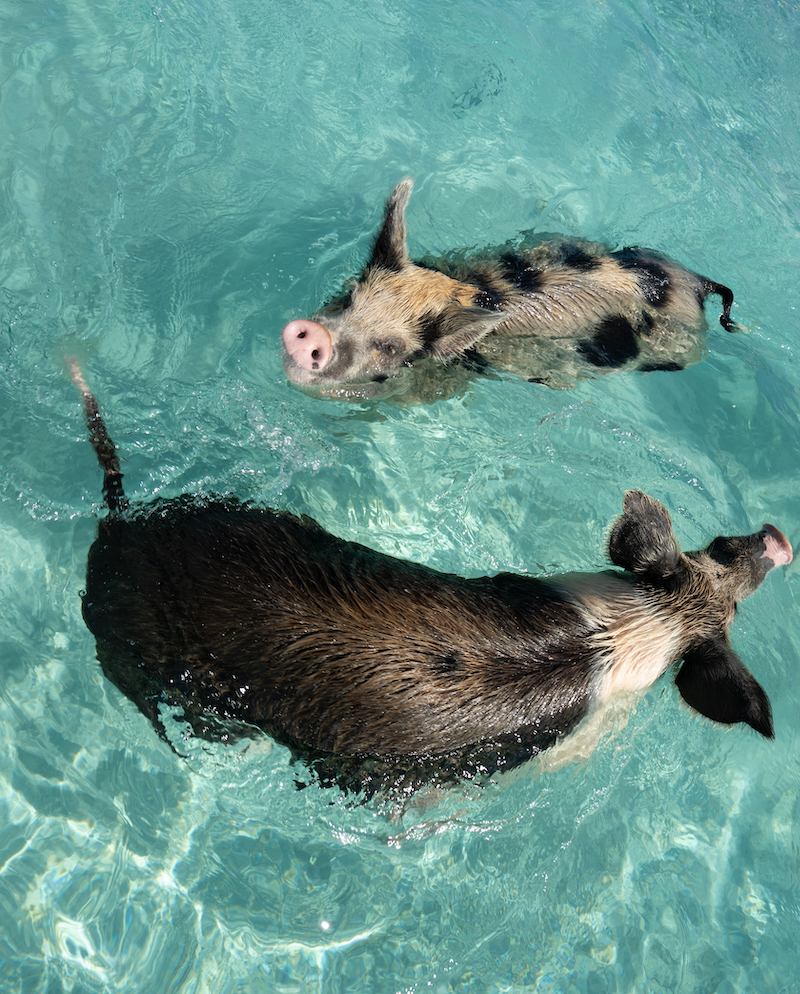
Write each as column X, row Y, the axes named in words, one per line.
column 384, row 675
column 553, row 311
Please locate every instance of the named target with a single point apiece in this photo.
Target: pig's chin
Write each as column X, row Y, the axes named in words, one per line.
column 314, row 385
column 346, row 391
column 425, row 382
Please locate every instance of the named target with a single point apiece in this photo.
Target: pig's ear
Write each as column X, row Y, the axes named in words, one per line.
column 389, row 251
column 715, row 682
column 642, row 539
column 457, row 329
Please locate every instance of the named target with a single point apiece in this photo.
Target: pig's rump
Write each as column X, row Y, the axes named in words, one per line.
column 244, row 616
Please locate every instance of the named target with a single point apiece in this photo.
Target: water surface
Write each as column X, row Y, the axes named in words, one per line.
column 178, row 181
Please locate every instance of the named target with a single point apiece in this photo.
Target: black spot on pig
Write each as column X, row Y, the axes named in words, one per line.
column 614, row 343
column 517, row 271
column 544, row 308
column 578, row 259
column 654, row 279
column 661, row 367
column 382, row 674
column 489, row 296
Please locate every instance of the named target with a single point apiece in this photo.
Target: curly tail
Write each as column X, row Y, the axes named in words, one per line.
column 113, row 494
column 725, row 319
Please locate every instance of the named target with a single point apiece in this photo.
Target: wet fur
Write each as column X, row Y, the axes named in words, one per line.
column 385, row 674
column 553, row 310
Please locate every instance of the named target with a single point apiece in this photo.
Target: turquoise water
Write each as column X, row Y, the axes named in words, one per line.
column 178, row 181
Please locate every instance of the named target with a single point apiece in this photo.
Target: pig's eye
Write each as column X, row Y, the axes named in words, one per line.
column 389, row 349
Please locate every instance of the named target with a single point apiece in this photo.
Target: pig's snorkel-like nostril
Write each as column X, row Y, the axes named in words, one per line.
column 307, row 344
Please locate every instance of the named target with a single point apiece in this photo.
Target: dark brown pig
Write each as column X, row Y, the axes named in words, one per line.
column 552, row 311
column 384, row 673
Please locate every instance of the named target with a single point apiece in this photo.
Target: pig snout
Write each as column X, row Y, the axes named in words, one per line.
column 308, row 344
column 777, row 545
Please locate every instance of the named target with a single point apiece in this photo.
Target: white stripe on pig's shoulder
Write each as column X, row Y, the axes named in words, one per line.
column 637, row 640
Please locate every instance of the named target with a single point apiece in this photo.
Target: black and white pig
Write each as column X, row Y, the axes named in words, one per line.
column 385, row 674
column 552, row 311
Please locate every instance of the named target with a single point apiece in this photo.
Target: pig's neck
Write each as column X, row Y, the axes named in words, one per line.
column 637, row 637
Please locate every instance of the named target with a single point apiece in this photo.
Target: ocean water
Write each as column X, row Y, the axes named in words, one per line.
column 178, row 181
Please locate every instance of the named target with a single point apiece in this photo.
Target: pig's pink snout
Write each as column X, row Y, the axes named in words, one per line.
column 777, row 544
column 308, row 344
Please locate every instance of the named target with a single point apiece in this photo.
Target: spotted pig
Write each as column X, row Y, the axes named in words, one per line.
column 552, row 311
column 384, row 674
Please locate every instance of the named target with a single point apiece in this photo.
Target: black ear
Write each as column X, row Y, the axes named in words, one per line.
column 642, row 539
column 715, row 682
column 389, row 251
